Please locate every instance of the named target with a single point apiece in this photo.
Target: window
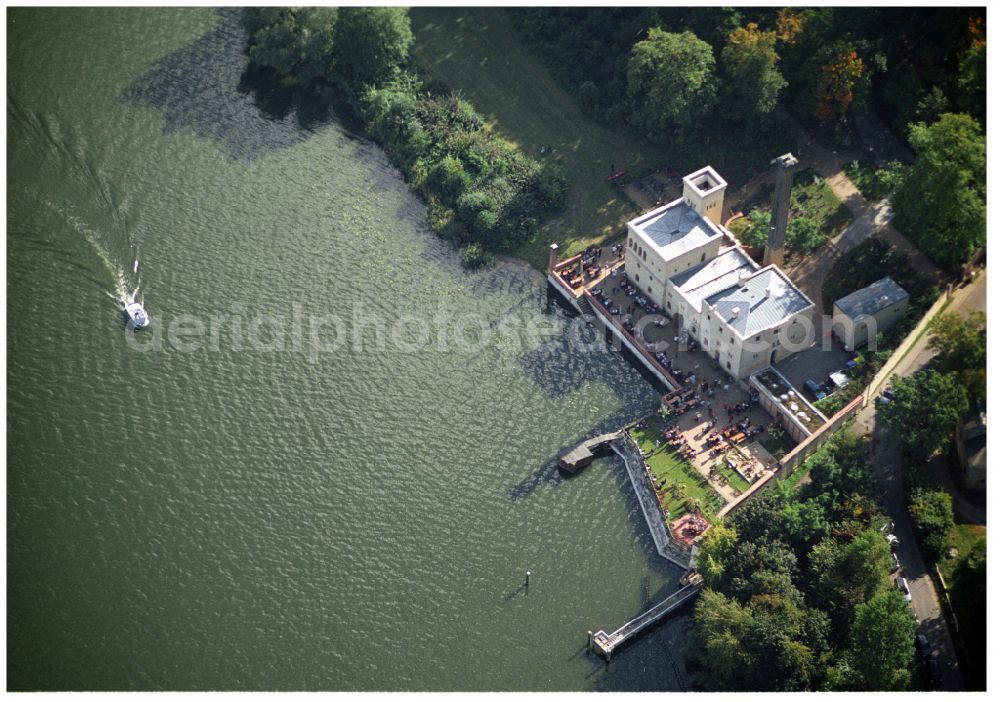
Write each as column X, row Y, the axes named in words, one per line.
column 720, row 328
column 729, row 365
column 649, row 288
column 702, row 255
column 669, row 306
column 775, row 331
column 758, row 338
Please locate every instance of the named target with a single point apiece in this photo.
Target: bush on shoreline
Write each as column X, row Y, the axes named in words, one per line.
column 482, row 193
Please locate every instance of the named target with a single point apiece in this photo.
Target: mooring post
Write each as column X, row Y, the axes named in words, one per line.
column 590, row 639
column 527, row 577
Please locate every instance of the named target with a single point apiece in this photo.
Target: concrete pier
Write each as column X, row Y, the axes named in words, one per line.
column 584, row 452
column 605, row 643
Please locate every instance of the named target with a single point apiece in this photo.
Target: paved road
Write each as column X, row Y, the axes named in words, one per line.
column 885, row 461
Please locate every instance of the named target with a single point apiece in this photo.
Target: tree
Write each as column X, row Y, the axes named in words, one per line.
column 749, row 65
column 882, row 641
column 755, row 236
column 297, row 42
column 789, row 25
column 960, row 343
column 931, row 106
column 371, row 44
column 840, row 74
column 672, row 79
column 714, row 552
column 930, row 511
column 924, row 410
column 803, row 522
column 716, row 641
column 941, row 202
column 761, row 568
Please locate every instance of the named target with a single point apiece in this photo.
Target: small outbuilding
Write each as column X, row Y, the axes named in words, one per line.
column 858, row 317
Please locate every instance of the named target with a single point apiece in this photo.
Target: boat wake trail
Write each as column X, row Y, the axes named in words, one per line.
column 118, row 275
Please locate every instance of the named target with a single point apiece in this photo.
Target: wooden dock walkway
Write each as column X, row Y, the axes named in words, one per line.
column 605, row 644
column 584, row 452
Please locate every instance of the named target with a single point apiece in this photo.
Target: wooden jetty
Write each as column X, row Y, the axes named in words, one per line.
column 605, row 643
column 584, row 452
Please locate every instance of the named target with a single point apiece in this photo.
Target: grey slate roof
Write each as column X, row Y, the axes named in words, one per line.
column 867, row 301
column 721, row 273
column 764, row 300
column 675, row 229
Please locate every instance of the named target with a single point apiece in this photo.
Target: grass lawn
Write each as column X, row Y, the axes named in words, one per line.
column 734, row 478
column 813, row 198
column 962, row 537
column 665, row 463
column 476, row 51
column 810, row 197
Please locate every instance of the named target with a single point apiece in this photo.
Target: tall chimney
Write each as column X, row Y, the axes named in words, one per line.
column 552, row 256
column 774, row 251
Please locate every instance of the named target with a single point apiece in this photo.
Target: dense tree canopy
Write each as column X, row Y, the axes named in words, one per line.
column 941, row 202
column 920, row 62
column 925, row 409
column 785, row 579
column 672, row 78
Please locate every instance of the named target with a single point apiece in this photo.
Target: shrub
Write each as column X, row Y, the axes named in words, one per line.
column 550, row 187
column 475, row 256
column 804, row 234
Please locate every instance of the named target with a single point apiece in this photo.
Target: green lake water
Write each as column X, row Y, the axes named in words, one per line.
column 206, row 515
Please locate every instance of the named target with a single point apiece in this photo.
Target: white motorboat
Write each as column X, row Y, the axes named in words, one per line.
column 137, row 316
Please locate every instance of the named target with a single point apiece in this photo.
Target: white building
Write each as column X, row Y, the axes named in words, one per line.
column 858, row 317
column 744, row 316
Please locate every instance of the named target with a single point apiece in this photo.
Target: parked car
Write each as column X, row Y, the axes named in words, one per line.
column 923, row 646
column 886, row 397
column 905, row 587
column 815, row 389
column 895, row 562
column 888, row 526
column 934, row 671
